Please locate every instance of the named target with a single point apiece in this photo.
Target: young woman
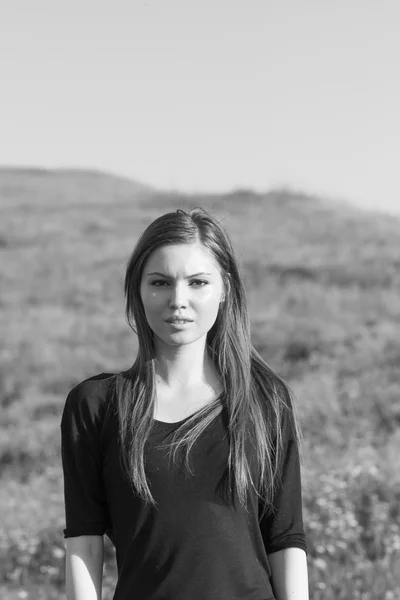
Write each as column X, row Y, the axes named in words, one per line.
column 189, row 460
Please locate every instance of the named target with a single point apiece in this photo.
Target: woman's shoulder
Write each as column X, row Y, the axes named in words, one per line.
column 94, row 384
column 277, row 401
column 95, row 387
column 90, row 397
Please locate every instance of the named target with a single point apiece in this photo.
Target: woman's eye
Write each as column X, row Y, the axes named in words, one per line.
column 200, row 281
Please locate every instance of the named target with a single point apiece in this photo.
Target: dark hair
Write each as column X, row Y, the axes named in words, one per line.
column 257, row 400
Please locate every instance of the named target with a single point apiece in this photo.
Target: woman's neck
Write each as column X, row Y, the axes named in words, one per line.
column 184, row 367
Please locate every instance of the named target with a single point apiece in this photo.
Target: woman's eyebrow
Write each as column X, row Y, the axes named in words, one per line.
column 188, row 277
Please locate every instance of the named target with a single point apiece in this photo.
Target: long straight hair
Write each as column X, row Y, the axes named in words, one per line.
column 258, row 401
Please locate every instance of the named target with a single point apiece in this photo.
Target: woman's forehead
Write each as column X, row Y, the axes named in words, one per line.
column 182, row 258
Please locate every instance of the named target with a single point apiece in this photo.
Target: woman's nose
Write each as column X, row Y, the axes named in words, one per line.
column 178, row 295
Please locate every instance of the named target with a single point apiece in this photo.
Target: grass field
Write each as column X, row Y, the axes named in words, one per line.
column 323, row 283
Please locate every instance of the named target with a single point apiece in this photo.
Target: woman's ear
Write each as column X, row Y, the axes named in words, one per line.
column 226, row 288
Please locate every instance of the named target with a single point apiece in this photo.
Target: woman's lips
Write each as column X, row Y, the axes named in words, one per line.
column 179, row 320
column 180, row 323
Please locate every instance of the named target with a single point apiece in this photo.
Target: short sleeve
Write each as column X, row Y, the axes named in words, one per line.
column 284, row 527
column 86, row 510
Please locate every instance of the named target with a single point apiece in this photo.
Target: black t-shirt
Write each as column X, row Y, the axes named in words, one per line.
column 193, row 545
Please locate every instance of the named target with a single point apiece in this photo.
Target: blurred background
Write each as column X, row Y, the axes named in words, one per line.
column 282, row 120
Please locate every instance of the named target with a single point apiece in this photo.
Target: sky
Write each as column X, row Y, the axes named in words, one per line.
column 208, row 94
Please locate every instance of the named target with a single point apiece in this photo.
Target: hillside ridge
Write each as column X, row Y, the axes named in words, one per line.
column 35, row 183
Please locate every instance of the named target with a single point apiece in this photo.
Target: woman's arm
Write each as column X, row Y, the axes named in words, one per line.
column 84, row 567
column 289, row 574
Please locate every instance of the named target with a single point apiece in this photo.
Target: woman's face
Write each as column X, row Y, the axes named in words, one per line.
column 181, row 280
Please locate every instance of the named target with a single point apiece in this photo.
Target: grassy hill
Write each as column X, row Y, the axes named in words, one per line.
column 323, row 283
